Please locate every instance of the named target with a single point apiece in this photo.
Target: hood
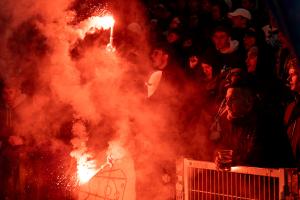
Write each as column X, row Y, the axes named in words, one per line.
column 234, row 44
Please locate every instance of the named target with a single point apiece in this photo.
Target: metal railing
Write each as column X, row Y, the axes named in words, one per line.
column 201, row 180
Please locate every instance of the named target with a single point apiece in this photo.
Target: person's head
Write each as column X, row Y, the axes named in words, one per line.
column 235, row 77
column 208, row 66
column 248, row 4
column 251, row 60
column 175, row 23
column 187, row 42
column 221, row 38
column 240, row 18
column 205, row 6
column 173, row 36
column 294, row 78
column 239, row 102
column 207, row 70
column 218, row 10
column 11, row 91
column 159, row 57
column 250, row 39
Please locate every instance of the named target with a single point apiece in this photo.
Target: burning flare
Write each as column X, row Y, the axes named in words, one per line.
column 94, row 23
column 87, row 167
column 104, row 22
column 86, row 164
column 97, row 23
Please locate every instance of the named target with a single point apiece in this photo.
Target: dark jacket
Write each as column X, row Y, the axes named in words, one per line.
column 235, row 58
column 292, row 125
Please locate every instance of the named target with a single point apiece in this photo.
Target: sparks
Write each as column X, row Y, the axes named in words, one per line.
column 86, row 169
column 97, row 23
column 105, row 22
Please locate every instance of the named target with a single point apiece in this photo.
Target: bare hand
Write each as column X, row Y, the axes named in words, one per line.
column 193, row 61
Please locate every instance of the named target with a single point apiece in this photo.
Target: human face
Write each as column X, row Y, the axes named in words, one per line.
column 294, row 80
column 208, row 71
column 159, row 59
column 175, row 23
column 172, row 37
column 239, row 22
column 10, row 94
column 251, row 62
column 234, row 76
column 237, row 103
column 221, row 40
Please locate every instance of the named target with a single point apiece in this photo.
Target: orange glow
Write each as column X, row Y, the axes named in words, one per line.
column 87, row 166
column 96, row 23
column 104, row 22
column 86, row 169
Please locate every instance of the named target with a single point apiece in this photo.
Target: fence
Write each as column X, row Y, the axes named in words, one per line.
column 202, row 181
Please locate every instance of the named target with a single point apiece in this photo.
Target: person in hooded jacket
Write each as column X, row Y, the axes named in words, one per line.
column 227, row 52
column 11, row 144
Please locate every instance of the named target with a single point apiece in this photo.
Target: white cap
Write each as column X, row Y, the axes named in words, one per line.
column 240, row 12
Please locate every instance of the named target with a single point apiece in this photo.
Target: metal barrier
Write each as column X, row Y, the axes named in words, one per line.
column 201, row 180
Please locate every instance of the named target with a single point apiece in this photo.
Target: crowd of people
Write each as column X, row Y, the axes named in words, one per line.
column 243, row 72
column 236, row 76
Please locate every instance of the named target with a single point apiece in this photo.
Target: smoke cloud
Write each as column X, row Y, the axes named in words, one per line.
column 78, row 92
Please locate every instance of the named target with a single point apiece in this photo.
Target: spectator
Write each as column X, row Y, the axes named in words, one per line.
column 163, row 100
column 240, row 20
column 252, row 60
column 175, row 23
column 285, row 57
column 292, row 114
column 254, row 139
column 226, row 52
column 250, row 39
column 164, row 81
column 209, row 78
column 238, row 127
column 193, row 69
column 218, row 13
column 173, row 37
column 11, row 143
column 260, row 56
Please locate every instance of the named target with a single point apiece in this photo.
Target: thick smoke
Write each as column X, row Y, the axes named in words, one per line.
column 69, row 80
